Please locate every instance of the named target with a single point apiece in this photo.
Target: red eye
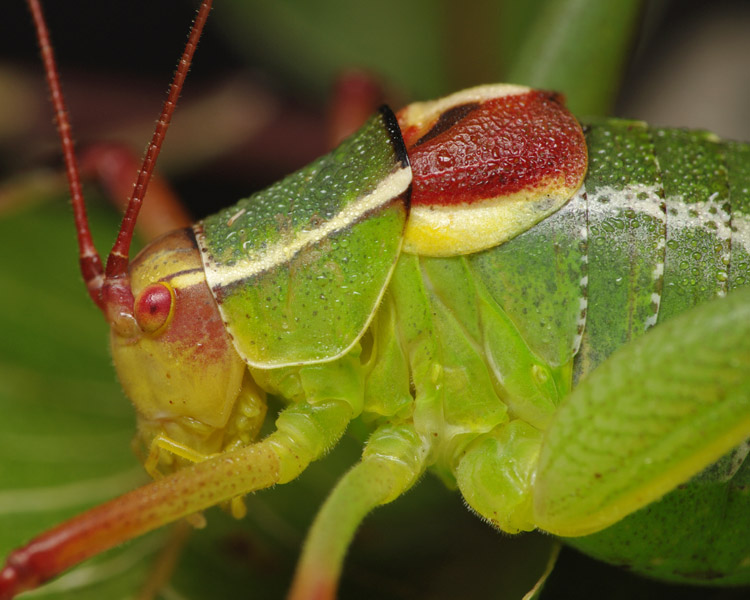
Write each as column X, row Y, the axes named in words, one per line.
column 154, row 306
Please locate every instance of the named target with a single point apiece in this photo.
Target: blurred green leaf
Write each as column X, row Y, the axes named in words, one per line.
column 431, row 47
column 579, row 47
column 309, row 43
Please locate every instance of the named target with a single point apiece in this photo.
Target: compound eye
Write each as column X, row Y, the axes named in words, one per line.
column 154, row 307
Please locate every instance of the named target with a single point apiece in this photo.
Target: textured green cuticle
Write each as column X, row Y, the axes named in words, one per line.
column 304, row 199
column 299, row 268
column 696, row 188
column 668, row 230
column 626, row 229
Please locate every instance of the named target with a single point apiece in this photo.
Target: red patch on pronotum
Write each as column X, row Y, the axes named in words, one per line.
column 499, row 147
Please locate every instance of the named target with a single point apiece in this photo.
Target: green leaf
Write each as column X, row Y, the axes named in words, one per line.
column 579, row 47
column 431, row 47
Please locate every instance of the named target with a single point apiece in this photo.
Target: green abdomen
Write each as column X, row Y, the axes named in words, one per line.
column 668, row 215
column 661, row 224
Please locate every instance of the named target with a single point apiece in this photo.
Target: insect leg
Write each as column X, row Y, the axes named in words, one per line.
column 162, row 443
column 654, row 414
column 304, row 432
column 495, row 475
column 392, row 461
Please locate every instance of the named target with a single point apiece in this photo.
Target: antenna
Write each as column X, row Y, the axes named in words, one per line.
column 110, row 289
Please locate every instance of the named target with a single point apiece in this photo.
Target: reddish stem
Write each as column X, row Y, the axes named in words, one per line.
column 113, row 165
column 356, row 95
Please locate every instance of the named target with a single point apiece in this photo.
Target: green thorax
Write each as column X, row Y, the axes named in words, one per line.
column 298, row 269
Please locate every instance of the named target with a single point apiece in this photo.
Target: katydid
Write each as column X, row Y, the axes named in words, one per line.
column 554, row 318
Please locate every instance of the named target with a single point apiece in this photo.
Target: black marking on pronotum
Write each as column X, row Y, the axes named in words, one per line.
column 447, row 120
column 394, row 131
column 191, row 235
